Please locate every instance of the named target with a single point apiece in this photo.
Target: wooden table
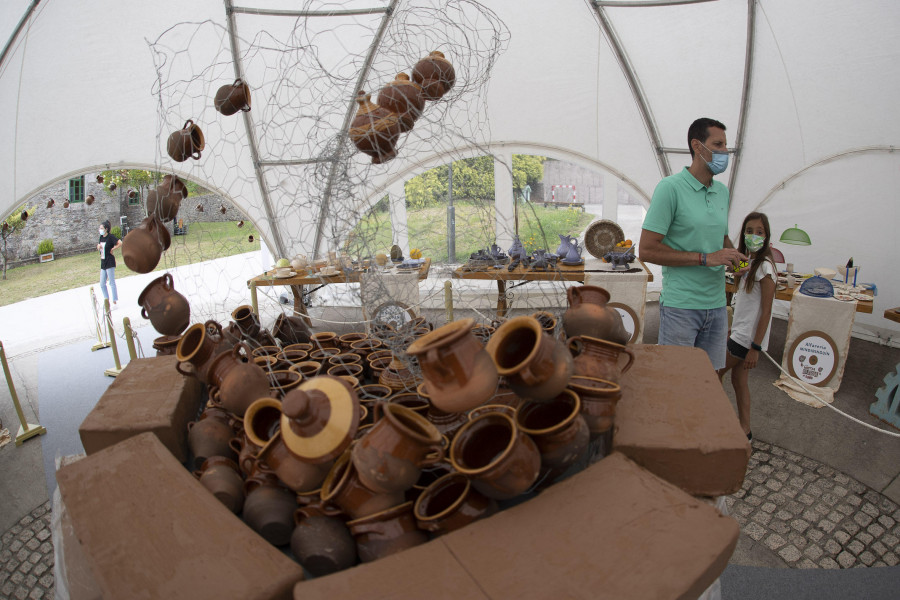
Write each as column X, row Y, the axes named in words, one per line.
column 786, row 294
column 298, row 282
column 523, row 275
column 893, row 314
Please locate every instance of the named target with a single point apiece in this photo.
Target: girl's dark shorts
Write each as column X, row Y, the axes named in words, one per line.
column 736, row 350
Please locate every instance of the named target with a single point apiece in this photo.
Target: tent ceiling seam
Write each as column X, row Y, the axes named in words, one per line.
column 745, row 93
column 636, row 90
column 266, row 12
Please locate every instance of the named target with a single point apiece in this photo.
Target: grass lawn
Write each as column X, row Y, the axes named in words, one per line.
column 204, row 241
column 539, row 227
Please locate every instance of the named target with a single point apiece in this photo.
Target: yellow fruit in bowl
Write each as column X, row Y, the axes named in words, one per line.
column 415, row 253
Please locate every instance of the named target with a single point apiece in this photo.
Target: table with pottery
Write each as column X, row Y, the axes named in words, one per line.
column 319, row 274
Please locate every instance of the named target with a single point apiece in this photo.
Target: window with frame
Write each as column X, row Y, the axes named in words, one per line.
column 76, row 189
column 133, row 201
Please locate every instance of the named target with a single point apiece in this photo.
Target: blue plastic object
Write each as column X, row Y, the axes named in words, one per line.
column 818, row 287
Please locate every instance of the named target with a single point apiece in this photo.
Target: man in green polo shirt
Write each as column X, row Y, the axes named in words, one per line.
column 686, row 231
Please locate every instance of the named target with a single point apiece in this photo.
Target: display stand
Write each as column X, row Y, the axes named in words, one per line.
column 26, row 430
column 114, row 371
column 628, row 292
column 101, row 343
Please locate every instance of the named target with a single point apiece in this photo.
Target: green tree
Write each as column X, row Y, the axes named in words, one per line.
column 11, row 226
column 527, row 170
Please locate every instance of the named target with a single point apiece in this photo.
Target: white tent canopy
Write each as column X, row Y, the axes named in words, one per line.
column 807, row 89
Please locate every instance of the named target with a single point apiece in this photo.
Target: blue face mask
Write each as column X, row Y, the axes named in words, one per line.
column 719, row 161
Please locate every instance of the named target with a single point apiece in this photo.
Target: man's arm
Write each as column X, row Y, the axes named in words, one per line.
column 653, row 250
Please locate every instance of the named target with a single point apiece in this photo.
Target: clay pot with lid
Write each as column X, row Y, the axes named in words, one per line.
column 500, row 459
column 435, row 74
column 322, row 542
column 290, row 329
column 558, row 430
column 210, row 436
column 459, row 372
column 588, row 314
column 386, row 533
column 238, row 381
column 269, row 507
column 198, row 346
column 599, row 358
column 166, row 309
column 232, row 97
column 185, row 143
column 319, row 419
column 403, row 97
column 536, row 366
column 222, row 477
column 390, row 456
column 598, row 402
column 343, row 489
column 375, row 130
column 143, row 246
column 451, row 503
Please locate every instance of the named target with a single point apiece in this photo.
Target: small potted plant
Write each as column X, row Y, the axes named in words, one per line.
column 45, row 250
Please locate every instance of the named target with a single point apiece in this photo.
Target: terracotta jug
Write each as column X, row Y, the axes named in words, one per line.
column 222, row 478
column 246, row 320
column 598, row 402
column 210, row 436
column 269, row 507
column 459, row 372
column 246, row 452
column 343, row 489
column 374, row 130
column 560, row 432
column 186, row 143
column 535, row 365
column 198, row 346
column 386, row 533
column 321, row 542
column 165, row 201
column 296, row 474
column 599, row 358
column 435, row 74
column 403, row 97
column 389, row 457
column 237, row 380
column 496, row 455
column 167, row 310
column 232, row 97
column 588, row 314
column 290, row 329
column 450, row 503
column 143, row 246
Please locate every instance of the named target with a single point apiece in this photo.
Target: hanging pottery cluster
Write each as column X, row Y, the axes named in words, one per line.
column 377, row 126
column 143, row 246
column 348, row 451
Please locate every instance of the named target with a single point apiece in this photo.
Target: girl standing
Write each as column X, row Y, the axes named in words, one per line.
column 107, row 243
column 752, row 311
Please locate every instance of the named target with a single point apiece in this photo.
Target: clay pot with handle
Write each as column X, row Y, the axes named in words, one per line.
column 386, row 533
column 450, row 503
column 588, row 314
column 166, row 309
column 269, row 507
column 599, row 358
column 198, row 346
column 232, row 97
column 343, row 489
column 298, row 475
column 559, row 430
column 143, row 246
column 210, row 436
column 290, row 329
column 238, row 380
column 186, row 143
column 321, row 541
column 598, row 402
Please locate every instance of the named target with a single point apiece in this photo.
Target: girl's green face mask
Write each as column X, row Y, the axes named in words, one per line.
column 753, row 242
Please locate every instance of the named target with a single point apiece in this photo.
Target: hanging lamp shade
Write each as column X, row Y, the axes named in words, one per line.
column 795, row 236
column 777, row 255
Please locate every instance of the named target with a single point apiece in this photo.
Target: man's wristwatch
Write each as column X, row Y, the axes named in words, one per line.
column 756, row 346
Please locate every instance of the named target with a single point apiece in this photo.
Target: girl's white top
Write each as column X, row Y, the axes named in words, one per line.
column 747, row 307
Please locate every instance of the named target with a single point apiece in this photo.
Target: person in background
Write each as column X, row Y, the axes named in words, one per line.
column 686, row 231
column 107, row 243
column 752, row 311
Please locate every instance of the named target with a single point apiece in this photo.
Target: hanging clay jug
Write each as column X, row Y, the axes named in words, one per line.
column 186, row 143
column 319, row 419
column 535, row 365
column 210, row 436
column 343, row 489
column 269, row 507
column 232, row 97
column 435, row 74
column 459, row 372
column 198, row 346
column 598, row 402
column 290, row 329
column 374, row 130
column 165, row 200
column 599, row 358
column 222, row 478
column 321, row 541
column 559, row 430
column 389, row 457
column 143, row 246
column 496, row 455
column 167, row 310
column 238, row 380
column 386, row 533
column 588, row 314
column 404, row 98
column 450, row 503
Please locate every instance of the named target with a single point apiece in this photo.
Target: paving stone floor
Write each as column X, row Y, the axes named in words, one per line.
column 809, row 514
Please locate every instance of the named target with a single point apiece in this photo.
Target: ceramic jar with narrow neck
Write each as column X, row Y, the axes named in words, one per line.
column 599, row 358
column 588, row 314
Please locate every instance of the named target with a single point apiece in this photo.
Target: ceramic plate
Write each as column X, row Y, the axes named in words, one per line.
column 602, row 236
column 291, row 274
column 862, row 297
column 844, row 297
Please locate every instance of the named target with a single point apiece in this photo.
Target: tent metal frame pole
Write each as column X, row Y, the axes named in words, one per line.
column 636, row 89
column 311, row 13
column 251, row 137
column 745, row 93
column 345, row 128
column 645, row 3
column 18, row 29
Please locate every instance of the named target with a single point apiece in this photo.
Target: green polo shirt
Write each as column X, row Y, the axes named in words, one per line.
column 693, row 218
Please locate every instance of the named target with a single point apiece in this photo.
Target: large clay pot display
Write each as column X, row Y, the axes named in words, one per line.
column 167, row 310
column 535, row 365
column 343, row 489
column 221, row 476
column 210, row 436
column 500, row 459
column 588, row 314
column 143, row 246
column 459, row 372
column 322, row 542
column 290, row 329
column 598, row 402
column 198, row 346
column 558, row 429
column 389, row 457
column 403, row 97
column 374, row 130
column 450, row 503
column 232, row 97
column 237, row 380
column 269, row 508
column 319, row 419
column 185, row 143
column 386, row 533
column 435, row 74
column 599, row 358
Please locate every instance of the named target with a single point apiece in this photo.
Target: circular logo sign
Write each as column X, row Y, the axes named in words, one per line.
column 629, row 319
column 813, row 358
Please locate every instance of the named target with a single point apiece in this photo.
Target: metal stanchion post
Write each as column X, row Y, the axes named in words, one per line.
column 100, row 342
column 26, row 430
column 113, row 372
column 448, row 300
column 253, row 299
column 129, row 337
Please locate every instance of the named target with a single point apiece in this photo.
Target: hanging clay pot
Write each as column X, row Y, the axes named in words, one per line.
column 435, row 74
column 88, row 200
column 233, row 97
column 403, row 97
column 459, row 372
column 599, row 358
column 386, row 533
column 588, row 314
column 186, row 143
column 167, row 310
column 374, row 131
column 558, row 429
column 143, row 246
